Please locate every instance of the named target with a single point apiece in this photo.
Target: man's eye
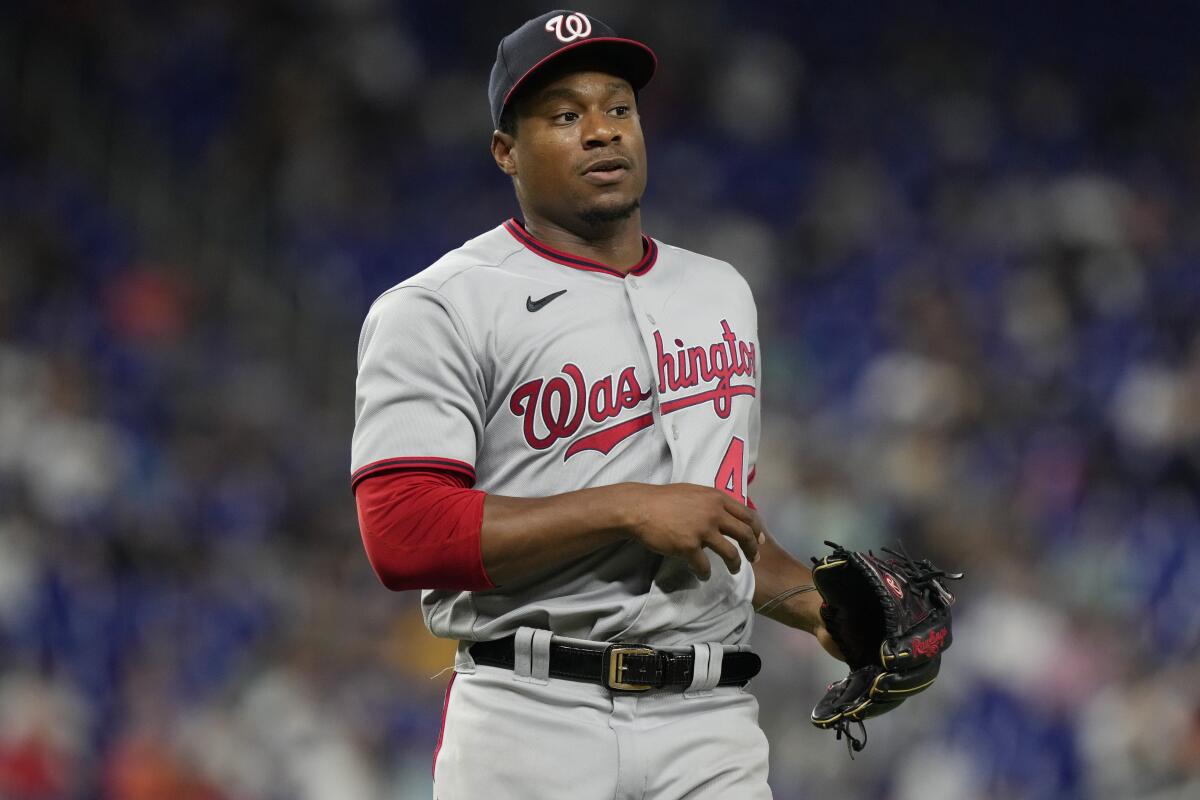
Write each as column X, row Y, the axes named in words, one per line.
column 621, row 111
column 566, row 116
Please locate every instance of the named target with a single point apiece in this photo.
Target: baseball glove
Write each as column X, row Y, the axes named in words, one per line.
column 891, row 620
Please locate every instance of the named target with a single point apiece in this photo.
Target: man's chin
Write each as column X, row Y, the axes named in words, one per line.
column 606, row 215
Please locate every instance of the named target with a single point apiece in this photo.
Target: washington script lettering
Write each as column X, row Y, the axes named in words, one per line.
column 553, row 408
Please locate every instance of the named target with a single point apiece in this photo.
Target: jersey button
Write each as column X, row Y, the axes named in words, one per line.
column 633, row 283
column 650, row 317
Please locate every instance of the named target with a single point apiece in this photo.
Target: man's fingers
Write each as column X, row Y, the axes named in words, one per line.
column 744, row 513
column 745, row 536
column 699, row 564
column 726, row 550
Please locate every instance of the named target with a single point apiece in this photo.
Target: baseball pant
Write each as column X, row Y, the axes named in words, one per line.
column 507, row 736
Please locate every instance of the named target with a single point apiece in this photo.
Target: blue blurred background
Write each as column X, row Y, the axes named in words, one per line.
column 974, row 235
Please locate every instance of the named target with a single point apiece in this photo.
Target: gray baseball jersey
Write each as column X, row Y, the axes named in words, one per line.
column 535, row 372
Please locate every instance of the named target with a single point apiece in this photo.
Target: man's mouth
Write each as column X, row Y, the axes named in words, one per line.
column 607, row 170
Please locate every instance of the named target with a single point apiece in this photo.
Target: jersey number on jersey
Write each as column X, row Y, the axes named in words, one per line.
column 729, row 475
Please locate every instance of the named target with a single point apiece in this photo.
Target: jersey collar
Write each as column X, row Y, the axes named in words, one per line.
column 649, row 249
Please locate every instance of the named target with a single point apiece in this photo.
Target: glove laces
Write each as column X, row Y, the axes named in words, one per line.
column 853, row 744
column 922, row 573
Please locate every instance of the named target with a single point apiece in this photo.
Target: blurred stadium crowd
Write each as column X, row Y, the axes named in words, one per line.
column 973, row 234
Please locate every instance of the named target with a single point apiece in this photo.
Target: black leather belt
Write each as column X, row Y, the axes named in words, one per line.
column 621, row 667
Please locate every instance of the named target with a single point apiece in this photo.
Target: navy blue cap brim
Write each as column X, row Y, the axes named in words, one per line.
column 630, row 59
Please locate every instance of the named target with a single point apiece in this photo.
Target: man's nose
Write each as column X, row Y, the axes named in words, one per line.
column 600, row 130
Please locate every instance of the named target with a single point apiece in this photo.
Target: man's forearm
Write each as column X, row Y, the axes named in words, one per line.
column 524, row 536
column 527, row 536
column 776, row 572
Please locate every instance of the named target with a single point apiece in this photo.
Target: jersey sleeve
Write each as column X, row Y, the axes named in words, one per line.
column 419, row 396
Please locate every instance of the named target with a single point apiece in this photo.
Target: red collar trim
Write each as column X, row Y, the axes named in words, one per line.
column 649, row 248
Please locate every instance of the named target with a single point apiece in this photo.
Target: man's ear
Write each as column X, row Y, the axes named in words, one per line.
column 503, row 150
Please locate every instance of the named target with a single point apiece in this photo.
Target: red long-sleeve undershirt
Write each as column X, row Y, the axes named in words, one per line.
column 421, row 530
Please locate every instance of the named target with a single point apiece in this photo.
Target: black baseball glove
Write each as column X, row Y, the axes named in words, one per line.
column 891, row 620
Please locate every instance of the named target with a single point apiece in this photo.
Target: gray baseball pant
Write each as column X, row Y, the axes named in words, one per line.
column 513, row 736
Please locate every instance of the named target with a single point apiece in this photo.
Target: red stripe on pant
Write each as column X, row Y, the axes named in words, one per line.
column 442, row 730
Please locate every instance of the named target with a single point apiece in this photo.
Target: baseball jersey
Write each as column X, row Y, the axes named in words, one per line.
column 534, row 372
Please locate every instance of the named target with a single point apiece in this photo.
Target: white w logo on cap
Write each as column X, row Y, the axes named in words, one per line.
column 577, row 26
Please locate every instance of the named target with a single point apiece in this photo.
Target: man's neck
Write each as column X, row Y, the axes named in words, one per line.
column 617, row 244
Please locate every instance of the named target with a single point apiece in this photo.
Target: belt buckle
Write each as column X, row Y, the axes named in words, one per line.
column 616, row 666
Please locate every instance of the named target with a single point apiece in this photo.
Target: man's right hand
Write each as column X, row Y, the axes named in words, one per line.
column 681, row 519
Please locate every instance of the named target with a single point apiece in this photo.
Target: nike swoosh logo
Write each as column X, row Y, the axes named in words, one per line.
column 538, row 305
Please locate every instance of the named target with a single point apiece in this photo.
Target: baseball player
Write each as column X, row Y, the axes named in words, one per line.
column 556, row 427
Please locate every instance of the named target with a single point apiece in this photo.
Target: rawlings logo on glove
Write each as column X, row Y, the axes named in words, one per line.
column 931, row 644
column 891, row 620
